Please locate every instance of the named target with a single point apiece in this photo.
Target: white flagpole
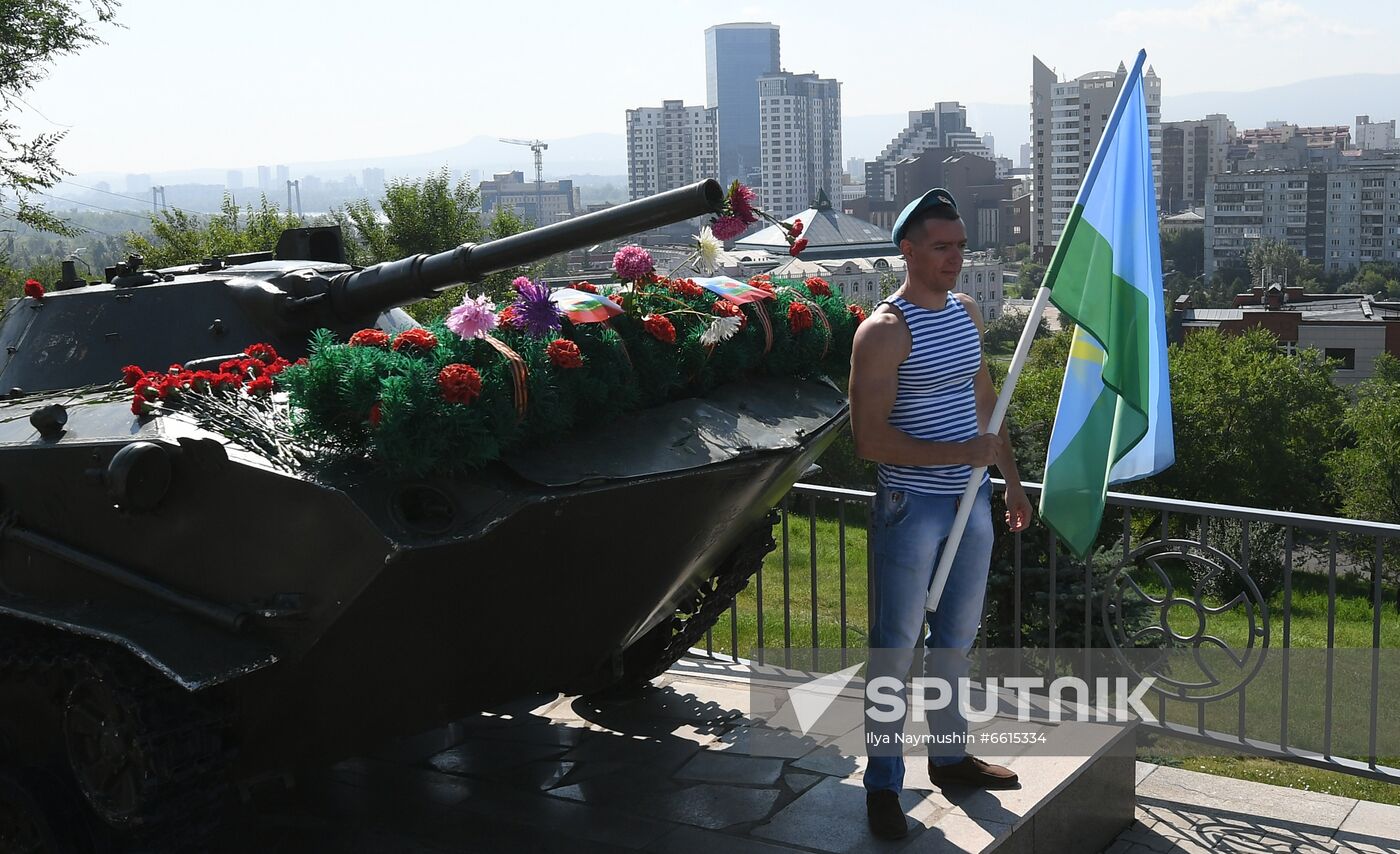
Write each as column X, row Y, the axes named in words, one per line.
column 974, row 482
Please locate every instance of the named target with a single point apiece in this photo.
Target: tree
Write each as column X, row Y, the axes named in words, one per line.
column 1184, row 251
column 1273, row 261
column 427, row 215
column 1031, row 275
column 1252, row 425
column 1367, row 471
column 179, row 237
column 33, row 33
column 1003, row 333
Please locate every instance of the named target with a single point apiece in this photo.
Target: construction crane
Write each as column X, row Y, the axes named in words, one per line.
column 537, row 146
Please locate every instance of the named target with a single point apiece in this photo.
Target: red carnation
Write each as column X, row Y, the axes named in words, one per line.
column 564, row 353
column 617, row 298
column 278, row 365
column 32, row 288
column 141, row 406
column 818, row 287
column 202, row 380
column 659, row 327
column 175, row 368
column 260, row 386
column 415, row 339
column 725, row 308
column 796, row 248
column 586, row 287
column 762, row 281
column 459, row 383
column 506, row 318
column 799, row 317
column 131, row 375
column 857, row 312
column 796, row 228
column 687, row 288
column 374, row 415
column 262, row 352
column 251, row 366
column 370, row 338
column 301, row 361
column 226, row 379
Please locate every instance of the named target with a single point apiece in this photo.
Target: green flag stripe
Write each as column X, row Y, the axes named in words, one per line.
column 1118, row 319
column 1073, row 506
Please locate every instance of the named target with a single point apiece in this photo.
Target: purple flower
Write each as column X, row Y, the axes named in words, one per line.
column 535, row 312
column 727, row 227
column 741, row 200
column 473, row 318
column 632, row 263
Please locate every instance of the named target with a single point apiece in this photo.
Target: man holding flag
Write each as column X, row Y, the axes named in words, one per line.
column 920, row 395
column 1113, row 423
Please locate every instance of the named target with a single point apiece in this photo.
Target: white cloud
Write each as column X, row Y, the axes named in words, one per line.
column 1267, row 18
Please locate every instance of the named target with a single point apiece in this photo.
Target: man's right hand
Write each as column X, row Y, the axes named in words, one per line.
column 982, row 451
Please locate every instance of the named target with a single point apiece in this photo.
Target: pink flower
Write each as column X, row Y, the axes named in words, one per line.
column 520, row 281
column 741, row 199
column 632, row 263
column 473, row 318
column 727, row 227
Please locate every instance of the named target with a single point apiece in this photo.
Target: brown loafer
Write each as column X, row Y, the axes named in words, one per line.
column 972, row 771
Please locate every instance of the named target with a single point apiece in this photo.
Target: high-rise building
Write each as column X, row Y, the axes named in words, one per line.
column 800, row 136
column 1067, row 119
column 234, row 179
column 373, row 180
column 944, row 126
column 1192, row 151
column 1371, row 136
column 670, row 146
column 264, row 178
column 283, row 176
column 1339, row 217
column 736, row 55
column 138, row 185
column 855, row 167
column 989, row 142
column 1025, row 160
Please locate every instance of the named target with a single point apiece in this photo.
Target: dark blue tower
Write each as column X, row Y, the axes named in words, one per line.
column 736, row 55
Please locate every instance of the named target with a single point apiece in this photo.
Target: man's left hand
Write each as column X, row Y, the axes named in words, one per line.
column 1018, row 508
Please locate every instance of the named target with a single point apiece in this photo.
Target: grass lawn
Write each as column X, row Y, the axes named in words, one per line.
column 1308, row 627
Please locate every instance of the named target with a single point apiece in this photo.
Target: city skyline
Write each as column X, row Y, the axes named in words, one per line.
column 435, row 100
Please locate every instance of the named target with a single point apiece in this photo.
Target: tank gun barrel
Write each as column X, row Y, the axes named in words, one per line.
column 408, row 280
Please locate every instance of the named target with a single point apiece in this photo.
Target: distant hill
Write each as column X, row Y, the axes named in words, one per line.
column 1320, row 101
column 1324, row 100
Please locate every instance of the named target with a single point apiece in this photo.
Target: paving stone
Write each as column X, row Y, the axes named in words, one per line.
column 1371, row 822
column 626, row 787
column 1142, row 769
column 711, row 806
column 1119, row 846
column 955, row 834
column 712, row 767
column 766, row 741
column 482, row 756
column 548, row 818
column 800, row 783
column 831, row 817
column 544, row 732
column 664, row 754
column 535, row 775
column 694, row 840
column 832, row 762
column 1214, row 793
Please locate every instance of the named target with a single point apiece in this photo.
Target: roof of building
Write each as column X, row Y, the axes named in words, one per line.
column 1187, row 217
column 828, row 231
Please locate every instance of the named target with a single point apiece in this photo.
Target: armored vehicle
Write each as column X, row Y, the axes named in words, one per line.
column 177, row 612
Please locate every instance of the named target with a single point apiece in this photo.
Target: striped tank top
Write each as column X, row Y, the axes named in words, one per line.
column 935, row 399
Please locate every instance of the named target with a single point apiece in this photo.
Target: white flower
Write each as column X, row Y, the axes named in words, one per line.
column 709, row 250
column 720, row 329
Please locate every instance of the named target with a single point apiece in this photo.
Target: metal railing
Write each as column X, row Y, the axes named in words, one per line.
column 1263, row 555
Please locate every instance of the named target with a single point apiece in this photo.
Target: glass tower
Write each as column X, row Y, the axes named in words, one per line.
column 736, row 55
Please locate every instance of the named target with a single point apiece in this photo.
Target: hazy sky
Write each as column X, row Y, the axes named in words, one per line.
column 196, row 83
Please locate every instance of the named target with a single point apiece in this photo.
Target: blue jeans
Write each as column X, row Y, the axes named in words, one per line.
column 909, row 531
